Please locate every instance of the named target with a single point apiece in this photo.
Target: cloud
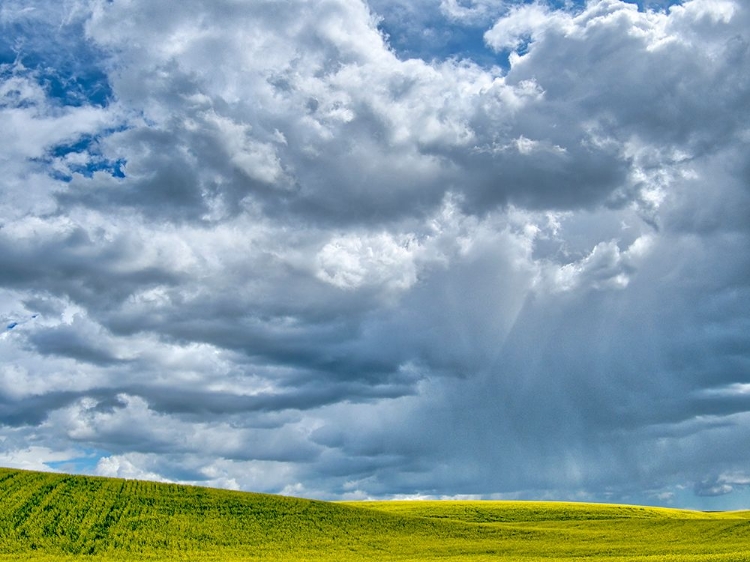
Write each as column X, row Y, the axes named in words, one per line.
column 475, row 11
column 525, row 23
column 722, row 484
column 349, row 262
column 264, row 247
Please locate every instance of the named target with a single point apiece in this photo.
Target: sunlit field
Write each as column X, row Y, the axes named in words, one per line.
column 50, row 517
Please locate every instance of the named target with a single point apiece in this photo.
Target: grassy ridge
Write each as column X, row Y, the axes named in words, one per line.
column 51, row 517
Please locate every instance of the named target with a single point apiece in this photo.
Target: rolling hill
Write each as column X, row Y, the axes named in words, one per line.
column 55, row 517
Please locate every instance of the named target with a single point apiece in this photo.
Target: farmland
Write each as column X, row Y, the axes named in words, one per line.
column 56, row 517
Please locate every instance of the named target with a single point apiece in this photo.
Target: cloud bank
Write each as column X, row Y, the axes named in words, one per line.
column 299, row 247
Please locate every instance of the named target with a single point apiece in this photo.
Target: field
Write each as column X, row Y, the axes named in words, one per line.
column 54, row 517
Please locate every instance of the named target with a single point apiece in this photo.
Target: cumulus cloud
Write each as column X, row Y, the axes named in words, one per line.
column 265, row 246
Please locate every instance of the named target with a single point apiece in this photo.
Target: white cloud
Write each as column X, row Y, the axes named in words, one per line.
column 35, row 458
column 526, row 22
column 122, row 467
column 352, row 261
column 606, row 267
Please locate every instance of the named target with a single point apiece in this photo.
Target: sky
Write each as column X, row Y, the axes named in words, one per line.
column 397, row 249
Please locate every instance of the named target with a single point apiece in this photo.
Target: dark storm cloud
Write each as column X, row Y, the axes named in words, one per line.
column 302, row 397
column 568, row 394
column 74, row 341
column 66, row 259
column 33, row 410
column 551, row 179
column 162, row 177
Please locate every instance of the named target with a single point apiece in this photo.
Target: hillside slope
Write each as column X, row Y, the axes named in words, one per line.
column 60, row 517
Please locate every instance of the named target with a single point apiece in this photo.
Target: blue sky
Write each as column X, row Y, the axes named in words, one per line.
column 399, row 249
column 431, row 30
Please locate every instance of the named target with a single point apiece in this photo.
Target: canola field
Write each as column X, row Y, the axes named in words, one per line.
column 55, row 517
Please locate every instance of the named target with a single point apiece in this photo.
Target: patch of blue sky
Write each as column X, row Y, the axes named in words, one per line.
column 76, row 87
column 62, row 164
column 113, row 167
column 658, row 5
column 62, row 61
column 83, row 464
column 85, row 143
column 424, row 31
column 734, row 499
column 432, row 35
column 441, row 40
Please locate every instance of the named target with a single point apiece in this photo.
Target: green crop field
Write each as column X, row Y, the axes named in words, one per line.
column 56, row 517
